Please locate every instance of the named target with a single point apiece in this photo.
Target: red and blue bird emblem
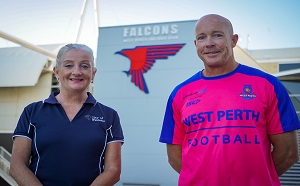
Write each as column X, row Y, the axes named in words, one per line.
column 142, row 59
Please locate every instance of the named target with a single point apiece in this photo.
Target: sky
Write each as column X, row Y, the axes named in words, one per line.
column 260, row 24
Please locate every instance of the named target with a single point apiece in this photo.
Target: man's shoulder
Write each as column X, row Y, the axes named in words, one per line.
column 251, row 71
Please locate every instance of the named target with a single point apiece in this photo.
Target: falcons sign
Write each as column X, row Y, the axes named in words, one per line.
column 143, row 57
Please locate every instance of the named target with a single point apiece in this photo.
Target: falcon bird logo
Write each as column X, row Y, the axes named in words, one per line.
column 142, row 59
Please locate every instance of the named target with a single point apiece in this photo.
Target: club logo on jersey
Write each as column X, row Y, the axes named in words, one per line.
column 94, row 118
column 142, row 59
column 247, row 93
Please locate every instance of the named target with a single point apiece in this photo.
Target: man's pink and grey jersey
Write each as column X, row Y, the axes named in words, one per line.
column 223, row 123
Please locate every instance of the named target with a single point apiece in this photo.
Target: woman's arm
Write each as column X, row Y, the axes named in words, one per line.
column 112, row 166
column 19, row 170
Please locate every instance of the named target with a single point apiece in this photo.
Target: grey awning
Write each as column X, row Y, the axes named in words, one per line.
column 20, row 66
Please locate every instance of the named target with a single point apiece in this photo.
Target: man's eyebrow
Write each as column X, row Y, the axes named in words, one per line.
column 200, row 34
column 68, row 60
column 217, row 31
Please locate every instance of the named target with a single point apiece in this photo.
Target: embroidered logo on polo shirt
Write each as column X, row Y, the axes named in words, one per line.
column 94, row 118
column 247, row 93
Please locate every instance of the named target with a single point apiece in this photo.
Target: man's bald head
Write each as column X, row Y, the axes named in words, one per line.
column 214, row 18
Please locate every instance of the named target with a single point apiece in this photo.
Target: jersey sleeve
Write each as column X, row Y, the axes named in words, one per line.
column 281, row 111
column 172, row 129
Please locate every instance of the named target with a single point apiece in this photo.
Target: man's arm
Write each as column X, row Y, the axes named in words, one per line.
column 174, row 156
column 285, row 150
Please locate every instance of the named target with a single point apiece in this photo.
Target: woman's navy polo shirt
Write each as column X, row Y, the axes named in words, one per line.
column 68, row 152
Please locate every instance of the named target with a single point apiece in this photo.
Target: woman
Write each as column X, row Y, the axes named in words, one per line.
column 69, row 137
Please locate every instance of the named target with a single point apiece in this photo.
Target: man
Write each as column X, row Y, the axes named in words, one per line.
column 229, row 124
